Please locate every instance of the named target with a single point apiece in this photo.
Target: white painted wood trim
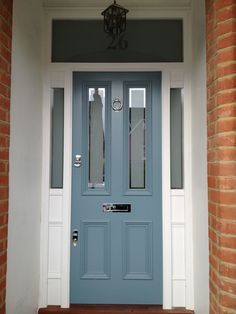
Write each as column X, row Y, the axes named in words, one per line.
column 166, row 207
column 188, row 194
column 45, row 196
column 103, row 3
column 188, row 162
column 66, row 217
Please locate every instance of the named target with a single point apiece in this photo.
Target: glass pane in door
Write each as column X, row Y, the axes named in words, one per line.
column 96, row 138
column 137, row 138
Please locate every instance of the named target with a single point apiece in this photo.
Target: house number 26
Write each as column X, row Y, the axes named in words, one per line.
column 118, row 43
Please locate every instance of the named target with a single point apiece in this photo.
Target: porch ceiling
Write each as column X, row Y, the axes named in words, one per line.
column 103, row 3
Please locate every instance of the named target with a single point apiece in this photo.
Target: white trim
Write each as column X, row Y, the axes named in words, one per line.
column 166, row 214
column 177, row 192
column 56, row 192
column 60, row 75
column 103, row 3
column 188, row 193
column 188, row 164
column 66, row 218
column 45, row 196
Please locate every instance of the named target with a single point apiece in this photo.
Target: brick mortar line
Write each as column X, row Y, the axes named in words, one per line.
column 226, row 308
column 221, row 78
column 228, row 235
column 4, row 109
column 8, row 23
column 5, row 122
column 219, row 50
column 7, row 61
column 221, row 132
column 217, row 92
column 233, row 104
column 209, row 123
column 228, row 264
column 220, row 248
column 7, row 48
column 214, row 56
column 5, row 97
column 222, row 36
column 6, row 85
column 4, row 19
column 223, row 147
column 218, row 79
column 226, row 7
column 226, row 104
column 215, row 150
column 225, row 119
column 217, row 22
column 219, row 232
column 227, row 91
column 220, row 190
column 218, row 209
column 221, row 220
column 226, row 63
column 221, row 177
column 233, row 295
column 217, row 217
column 10, row 49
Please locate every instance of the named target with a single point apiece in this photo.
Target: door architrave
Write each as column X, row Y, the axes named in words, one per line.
column 174, row 75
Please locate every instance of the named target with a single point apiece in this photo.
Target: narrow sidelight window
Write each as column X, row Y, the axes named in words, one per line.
column 57, row 137
column 176, row 137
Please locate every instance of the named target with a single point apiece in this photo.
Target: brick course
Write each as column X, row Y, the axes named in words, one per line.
column 5, row 82
column 221, row 108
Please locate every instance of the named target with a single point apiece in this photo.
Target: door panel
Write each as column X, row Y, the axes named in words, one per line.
column 118, row 258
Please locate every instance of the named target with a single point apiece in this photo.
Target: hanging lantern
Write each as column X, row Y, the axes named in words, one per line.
column 115, row 19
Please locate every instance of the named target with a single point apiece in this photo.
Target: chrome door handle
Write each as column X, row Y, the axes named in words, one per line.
column 78, row 161
column 75, row 237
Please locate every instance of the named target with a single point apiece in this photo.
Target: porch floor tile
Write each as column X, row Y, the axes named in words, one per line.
column 113, row 309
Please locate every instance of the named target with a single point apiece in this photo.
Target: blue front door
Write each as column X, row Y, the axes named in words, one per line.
column 116, row 189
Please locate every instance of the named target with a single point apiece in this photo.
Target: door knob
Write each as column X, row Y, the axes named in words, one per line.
column 78, row 161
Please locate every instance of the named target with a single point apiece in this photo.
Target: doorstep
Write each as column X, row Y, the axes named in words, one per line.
column 113, row 309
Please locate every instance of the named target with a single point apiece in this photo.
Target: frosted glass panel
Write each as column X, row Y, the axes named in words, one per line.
column 137, row 138
column 96, row 138
column 176, row 137
column 57, row 138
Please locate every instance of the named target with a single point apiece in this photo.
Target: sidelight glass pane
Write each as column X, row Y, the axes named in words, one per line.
column 96, row 145
column 176, row 137
column 137, row 138
column 57, row 138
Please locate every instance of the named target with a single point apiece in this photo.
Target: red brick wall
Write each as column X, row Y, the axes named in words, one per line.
column 5, row 81
column 221, row 85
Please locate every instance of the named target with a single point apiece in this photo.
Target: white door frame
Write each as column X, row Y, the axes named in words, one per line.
column 56, row 208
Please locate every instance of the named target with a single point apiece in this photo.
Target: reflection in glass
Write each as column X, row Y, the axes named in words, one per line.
column 137, row 138
column 57, row 138
column 96, row 138
column 176, row 137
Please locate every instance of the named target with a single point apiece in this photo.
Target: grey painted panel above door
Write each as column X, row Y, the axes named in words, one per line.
column 148, row 41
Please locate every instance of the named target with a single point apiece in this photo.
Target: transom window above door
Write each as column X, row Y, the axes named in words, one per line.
column 143, row 41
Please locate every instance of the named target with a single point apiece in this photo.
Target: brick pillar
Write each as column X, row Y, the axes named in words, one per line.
column 5, row 82
column 221, row 86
